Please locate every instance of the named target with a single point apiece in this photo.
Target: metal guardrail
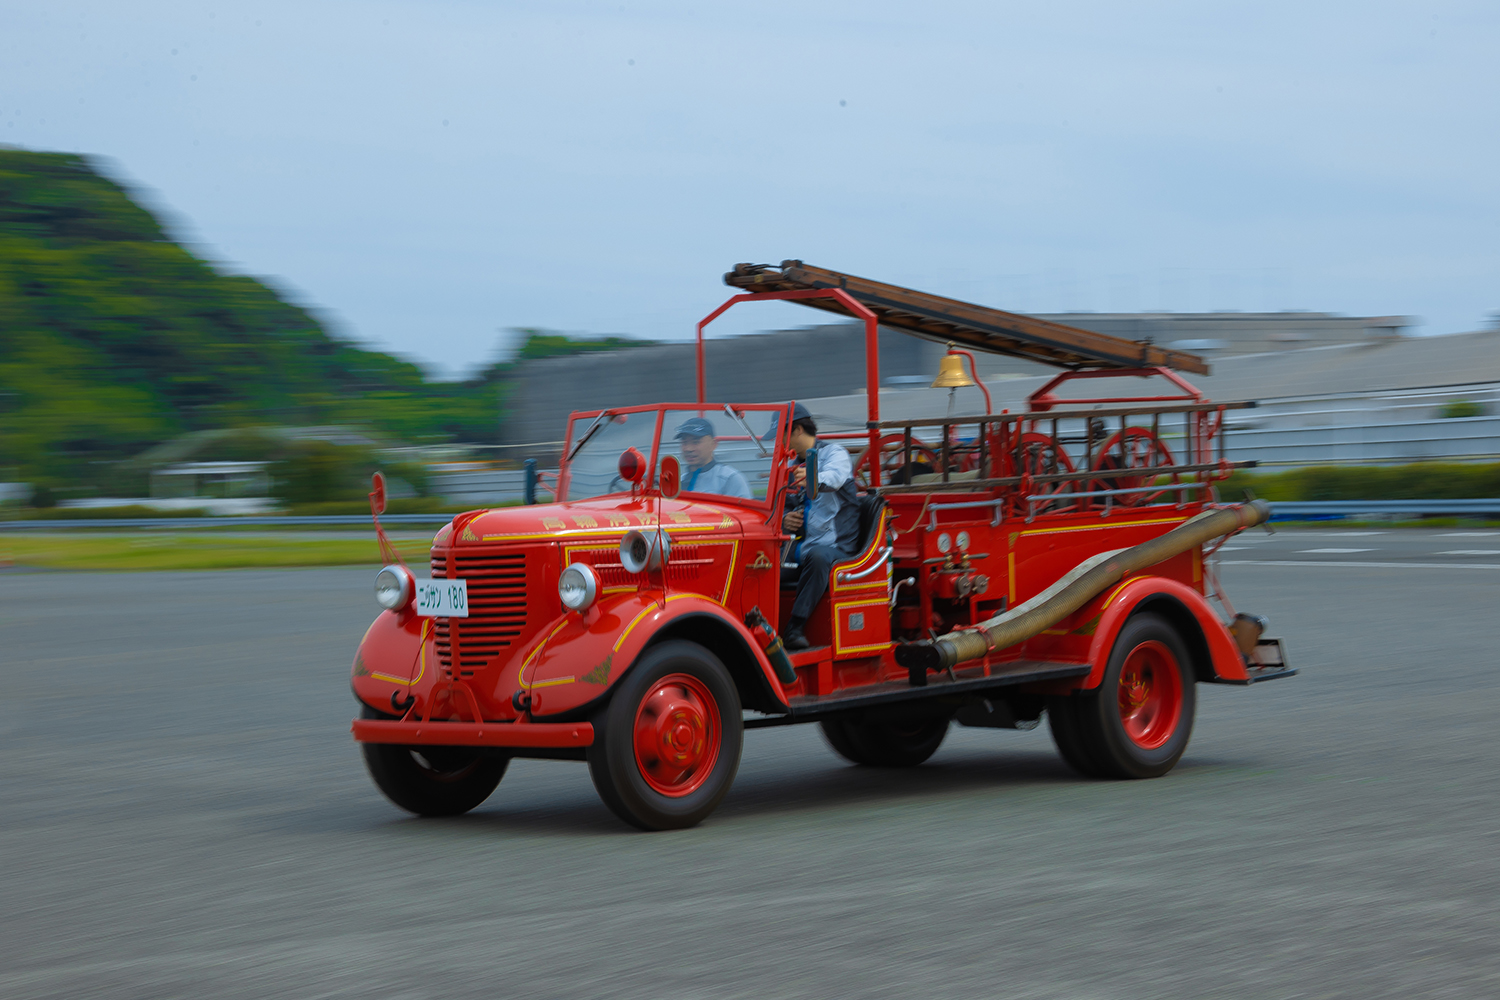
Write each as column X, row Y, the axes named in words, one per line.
column 1314, row 508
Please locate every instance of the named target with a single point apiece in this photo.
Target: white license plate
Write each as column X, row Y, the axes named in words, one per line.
column 443, row 598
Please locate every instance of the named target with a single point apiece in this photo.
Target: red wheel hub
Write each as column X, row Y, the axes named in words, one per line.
column 1150, row 694
column 677, row 734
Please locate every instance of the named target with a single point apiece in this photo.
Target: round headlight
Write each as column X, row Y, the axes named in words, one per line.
column 393, row 587
column 578, row 586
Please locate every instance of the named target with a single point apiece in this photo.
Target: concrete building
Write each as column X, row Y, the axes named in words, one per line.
column 826, row 361
column 1390, row 401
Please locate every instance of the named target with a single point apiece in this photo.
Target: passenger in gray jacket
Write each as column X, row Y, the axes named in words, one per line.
column 695, row 437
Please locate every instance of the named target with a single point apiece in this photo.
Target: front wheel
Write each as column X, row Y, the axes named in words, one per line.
column 886, row 743
column 432, row 781
column 667, row 746
column 1136, row 723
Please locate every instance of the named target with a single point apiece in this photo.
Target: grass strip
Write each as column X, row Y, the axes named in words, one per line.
column 198, row 551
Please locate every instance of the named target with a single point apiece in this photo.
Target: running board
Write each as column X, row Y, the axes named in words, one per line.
column 972, row 680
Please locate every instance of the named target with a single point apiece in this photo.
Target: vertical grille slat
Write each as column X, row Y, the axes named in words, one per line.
column 498, row 611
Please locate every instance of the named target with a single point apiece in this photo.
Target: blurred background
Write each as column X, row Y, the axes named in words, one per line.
column 249, row 252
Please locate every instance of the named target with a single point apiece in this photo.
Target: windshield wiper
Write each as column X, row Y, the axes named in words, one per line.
column 746, row 428
column 589, row 433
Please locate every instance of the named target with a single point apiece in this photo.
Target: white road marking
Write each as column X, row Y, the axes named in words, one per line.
column 1333, row 551
column 1339, row 534
column 1471, row 552
column 1469, row 534
column 1234, row 548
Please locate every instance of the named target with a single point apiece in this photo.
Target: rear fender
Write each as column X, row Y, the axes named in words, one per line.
column 1209, row 643
column 396, row 657
column 581, row 657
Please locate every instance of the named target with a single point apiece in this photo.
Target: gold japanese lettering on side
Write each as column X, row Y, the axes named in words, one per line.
column 619, row 521
column 680, row 518
column 584, row 521
column 554, row 524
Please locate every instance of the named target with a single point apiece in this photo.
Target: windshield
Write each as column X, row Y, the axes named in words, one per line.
column 723, row 454
column 718, row 457
column 594, row 469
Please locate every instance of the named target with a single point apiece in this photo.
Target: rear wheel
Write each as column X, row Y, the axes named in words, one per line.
column 1137, row 722
column 667, row 746
column 885, row 743
column 432, row 781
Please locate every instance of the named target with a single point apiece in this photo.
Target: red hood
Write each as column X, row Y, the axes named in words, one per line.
column 604, row 519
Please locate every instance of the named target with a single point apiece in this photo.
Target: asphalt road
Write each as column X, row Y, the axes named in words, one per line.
column 184, row 815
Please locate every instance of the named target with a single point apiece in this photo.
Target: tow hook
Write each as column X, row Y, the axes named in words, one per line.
column 402, row 707
column 521, row 700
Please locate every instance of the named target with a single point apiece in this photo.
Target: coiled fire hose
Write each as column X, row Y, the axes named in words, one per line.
column 1077, row 587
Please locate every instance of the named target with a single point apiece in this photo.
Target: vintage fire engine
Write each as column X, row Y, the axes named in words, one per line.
column 1055, row 561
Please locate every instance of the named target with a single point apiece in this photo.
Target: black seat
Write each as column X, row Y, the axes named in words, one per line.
column 870, row 506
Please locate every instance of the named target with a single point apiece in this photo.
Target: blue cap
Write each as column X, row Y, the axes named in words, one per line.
column 695, row 427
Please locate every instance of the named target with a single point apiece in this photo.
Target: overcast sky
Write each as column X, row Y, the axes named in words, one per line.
column 427, row 175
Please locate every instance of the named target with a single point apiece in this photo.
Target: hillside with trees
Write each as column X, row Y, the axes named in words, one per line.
column 114, row 337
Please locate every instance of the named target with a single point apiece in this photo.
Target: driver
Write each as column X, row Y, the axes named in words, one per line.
column 829, row 525
column 695, row 436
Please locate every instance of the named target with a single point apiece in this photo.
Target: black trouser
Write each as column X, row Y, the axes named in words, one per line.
column 811, row 576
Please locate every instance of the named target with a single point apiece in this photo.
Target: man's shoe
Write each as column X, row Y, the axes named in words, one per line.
column 794, row 639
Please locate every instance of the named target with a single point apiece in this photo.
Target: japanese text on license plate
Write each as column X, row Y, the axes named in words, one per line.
column 443, row 598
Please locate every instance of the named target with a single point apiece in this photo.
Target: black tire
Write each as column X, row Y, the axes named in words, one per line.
column 633, row 790
column 886, row 742
column 1062, row 720
column 1093, row 726
column 432, row 781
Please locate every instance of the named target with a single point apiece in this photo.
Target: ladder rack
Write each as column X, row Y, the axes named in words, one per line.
column 981, row 328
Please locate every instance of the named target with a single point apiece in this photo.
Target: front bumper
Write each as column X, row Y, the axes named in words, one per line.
column 548, row 735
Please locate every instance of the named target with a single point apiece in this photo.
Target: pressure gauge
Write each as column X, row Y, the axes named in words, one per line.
column 963, row 541
column 945, row 542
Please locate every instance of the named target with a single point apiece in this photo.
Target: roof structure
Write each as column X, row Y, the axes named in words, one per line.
column 977, row 327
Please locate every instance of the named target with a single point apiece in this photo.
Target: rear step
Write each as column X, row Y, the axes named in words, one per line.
column 971, row 680
column 1270, row 664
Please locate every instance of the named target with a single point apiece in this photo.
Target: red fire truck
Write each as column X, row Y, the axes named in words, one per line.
column 1008, row 565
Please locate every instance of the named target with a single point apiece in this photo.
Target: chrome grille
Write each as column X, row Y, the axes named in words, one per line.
column 497, row 609
column 440, row 631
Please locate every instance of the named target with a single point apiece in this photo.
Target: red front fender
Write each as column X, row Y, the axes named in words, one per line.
column 581, row 656
column 1124, row 599
column 395, row 657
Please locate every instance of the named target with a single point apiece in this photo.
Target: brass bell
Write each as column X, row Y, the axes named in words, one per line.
column 951, row 374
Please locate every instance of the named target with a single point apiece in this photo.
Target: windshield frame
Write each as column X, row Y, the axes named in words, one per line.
column 579, row 420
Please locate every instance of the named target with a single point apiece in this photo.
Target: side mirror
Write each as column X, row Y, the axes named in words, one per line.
column 377, row 494
column 669, row 479
column 810, row 463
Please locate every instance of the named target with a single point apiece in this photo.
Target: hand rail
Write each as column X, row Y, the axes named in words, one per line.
column 885, row 555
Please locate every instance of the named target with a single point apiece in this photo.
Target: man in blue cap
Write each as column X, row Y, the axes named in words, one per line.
column 695, row 437
column 829, row 527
